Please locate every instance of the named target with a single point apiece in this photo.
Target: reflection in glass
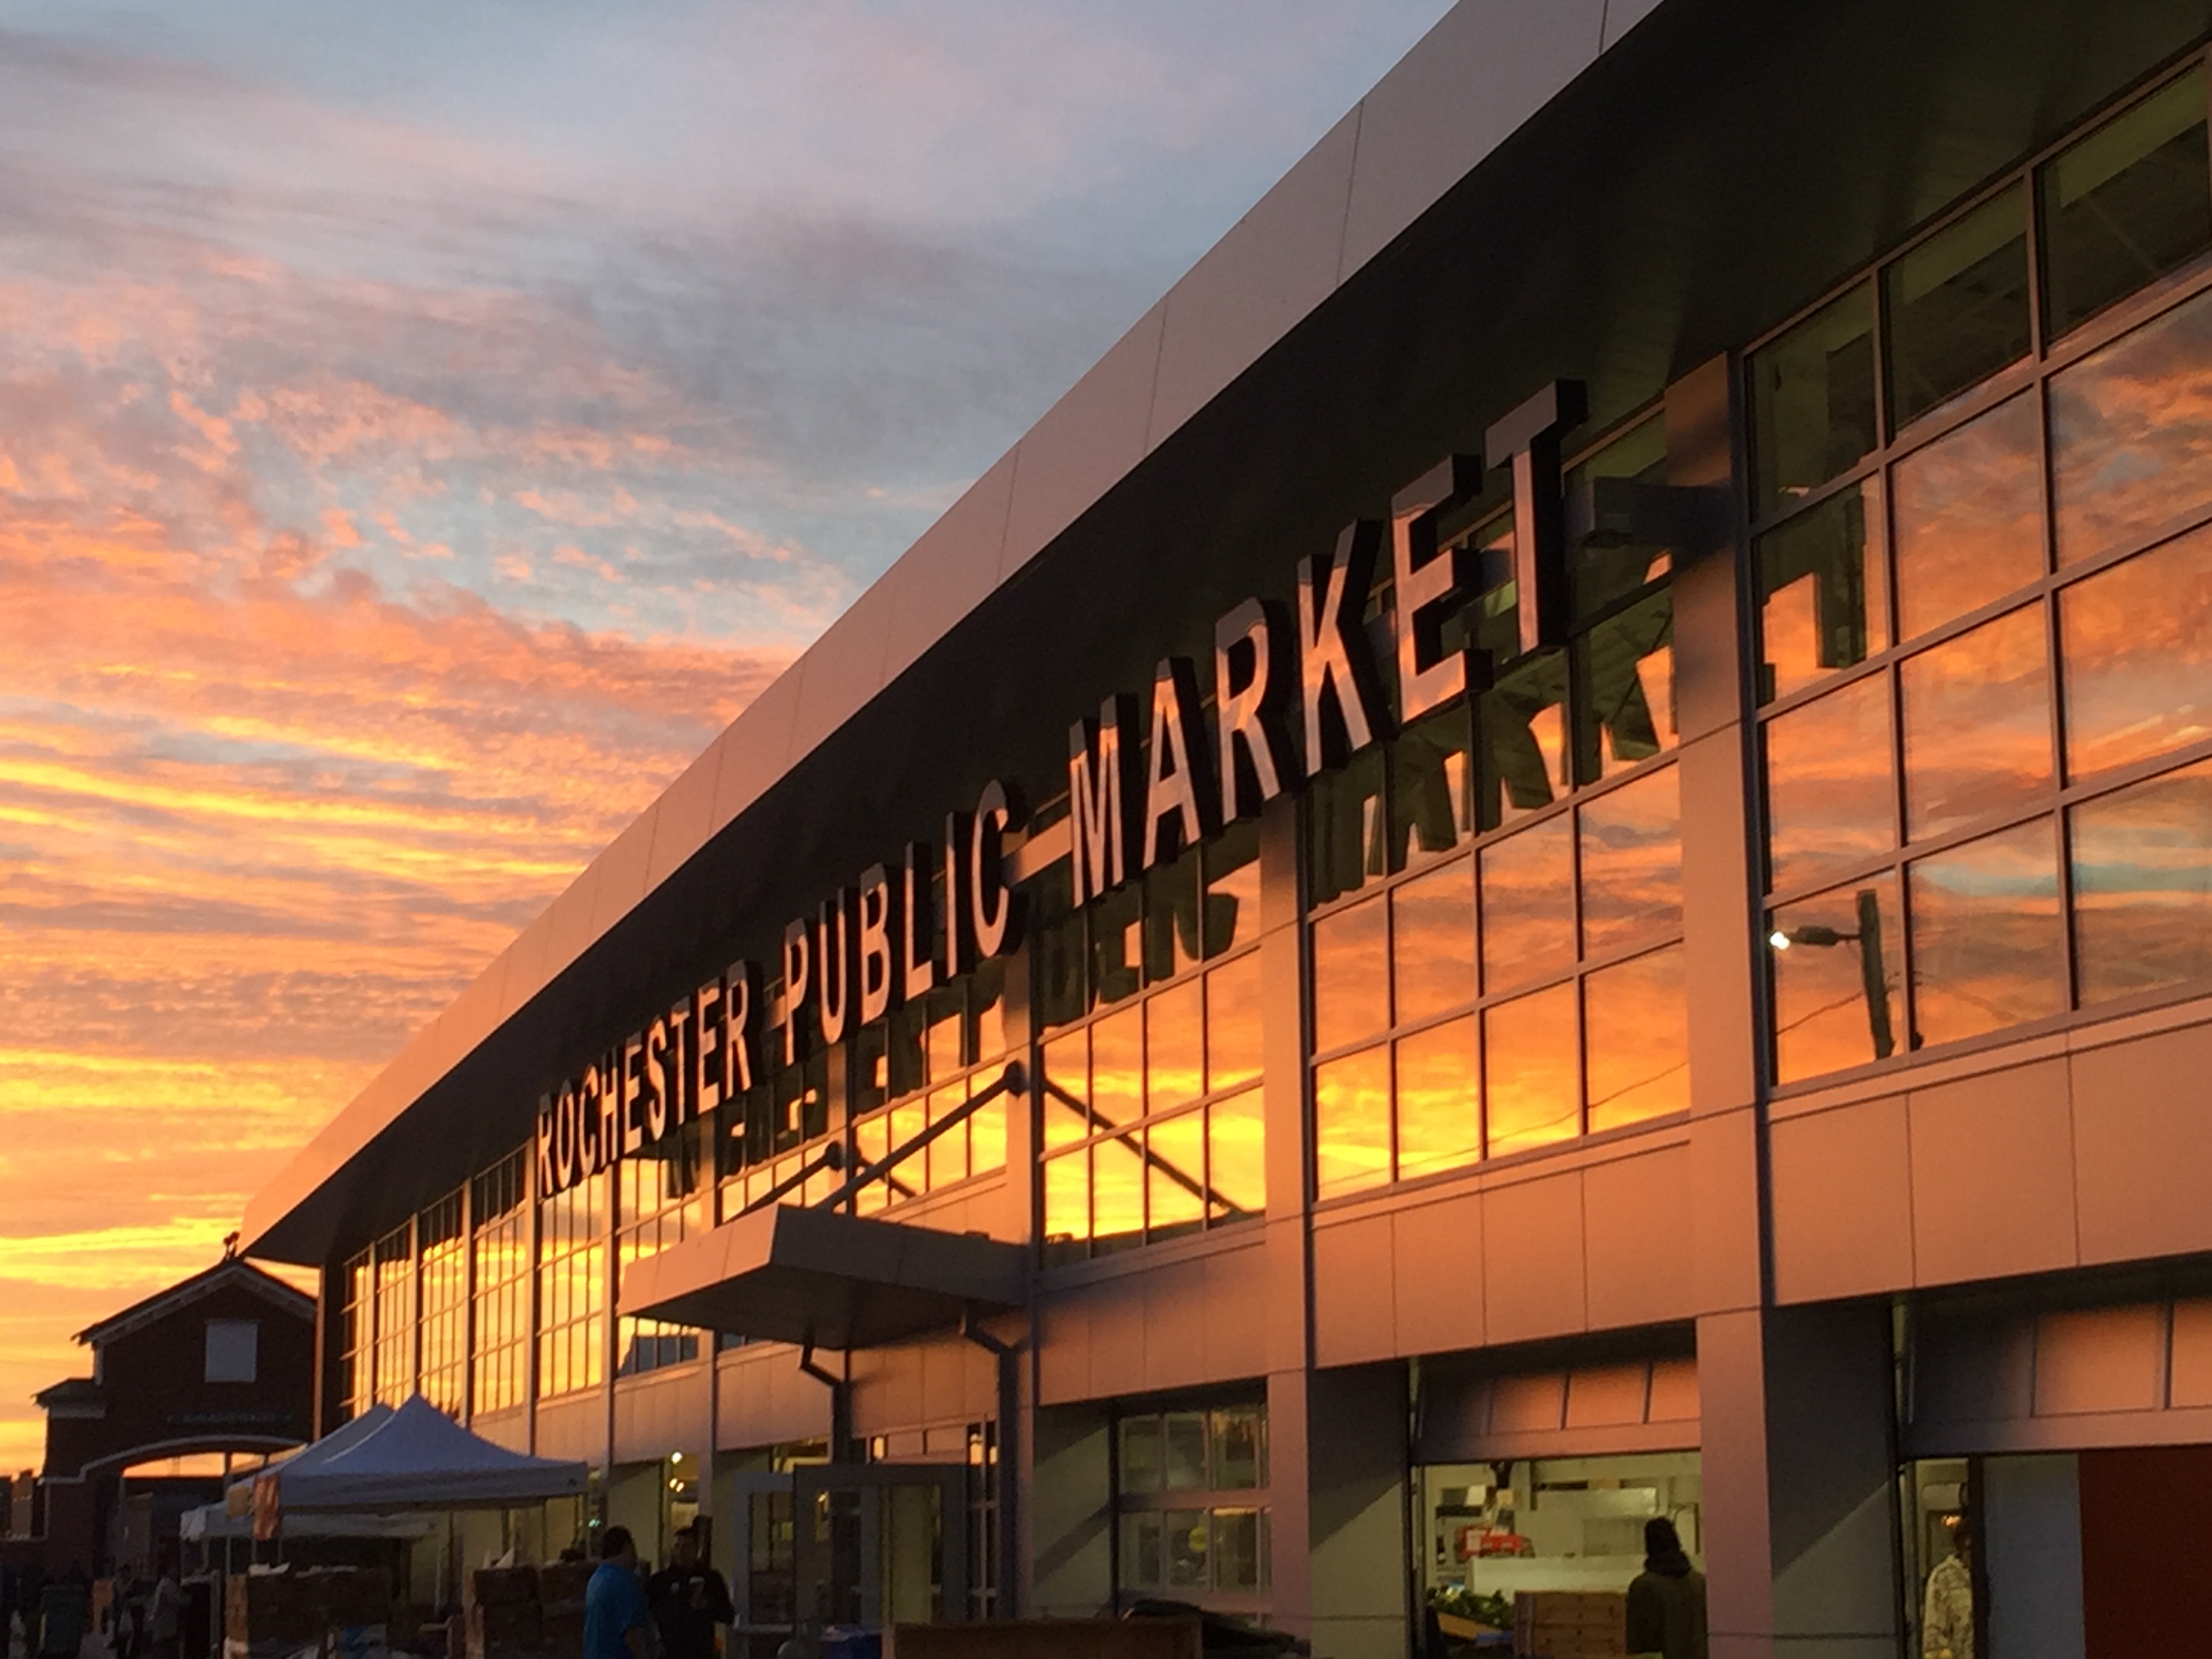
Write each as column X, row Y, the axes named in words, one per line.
column 1140, row 1549
column 1529, row 904
column 1352, row 1123
column 2142, row 886
column 1631, row 863
column 1067, row 1205
column 1636, row 1039
column 2137, row 643
column 1171, row 935
column 1174, row 1046
column 1185, row 1461
column 948, row 1153
column 987, row 1138
column 1236, row 1156
column 1624, row 693
column 1117, row 1069
column 1351, row 975
column 1185, row 1535
column 1233, row 888
column 1957, row 304
column 1824, row 598
column 1439, row 1104
column 1524, row 740
column 1144, row 1460
column 1838, row 965
column 1431, row 787
column 1976, row 724
column 1988, row 950
column 1236, row 1549
column 1115, row 925
column 2131, row 433
column 1349, row 848
column 1831, row 798
column 1240, row 1447
column 1175, row 1174
column 1598, row 577
column 1812, row 401
column 1432, row 941
column 1969, row 512
column 2126, row 204
column 1232, row 1022
column 1117, row 1189
column 1531, row 1077
column 1068, row 1078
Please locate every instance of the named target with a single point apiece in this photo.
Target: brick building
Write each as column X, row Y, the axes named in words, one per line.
column 222, row 1361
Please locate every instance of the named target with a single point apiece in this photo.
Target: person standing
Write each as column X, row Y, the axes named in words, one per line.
column 165, row 1610
column 1667, row 1601
column 688, row 1598
column 617, row 1623
column 1947, row 1623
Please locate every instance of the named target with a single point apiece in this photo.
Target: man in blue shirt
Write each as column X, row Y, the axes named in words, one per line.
column 616, row 1618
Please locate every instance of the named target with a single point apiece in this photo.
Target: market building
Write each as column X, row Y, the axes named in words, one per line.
column 1544, row 859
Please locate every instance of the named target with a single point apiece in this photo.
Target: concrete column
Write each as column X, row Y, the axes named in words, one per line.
column 1289, row 1351
column 1359, row 1565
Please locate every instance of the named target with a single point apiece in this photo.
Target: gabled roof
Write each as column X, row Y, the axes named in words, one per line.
column 230, row 1270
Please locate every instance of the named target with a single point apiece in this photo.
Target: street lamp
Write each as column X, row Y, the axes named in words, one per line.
column 1873, row 983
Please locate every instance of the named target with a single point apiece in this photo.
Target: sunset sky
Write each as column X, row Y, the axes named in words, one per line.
column 422, row 427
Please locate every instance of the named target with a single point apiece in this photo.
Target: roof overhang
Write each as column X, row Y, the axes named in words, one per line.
column 826, row 1280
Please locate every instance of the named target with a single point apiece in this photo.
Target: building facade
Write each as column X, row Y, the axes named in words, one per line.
column 222, row 1362
column 1544, row 861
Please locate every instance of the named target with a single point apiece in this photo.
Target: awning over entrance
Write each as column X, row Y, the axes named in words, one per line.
column 836, row 1281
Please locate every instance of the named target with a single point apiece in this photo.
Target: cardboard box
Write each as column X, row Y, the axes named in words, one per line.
column 496, row 1587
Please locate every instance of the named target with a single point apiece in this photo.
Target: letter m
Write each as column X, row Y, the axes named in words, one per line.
column 1103, row 796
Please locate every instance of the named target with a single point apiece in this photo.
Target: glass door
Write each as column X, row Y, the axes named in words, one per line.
column 880, row 1544
column 762, row 1586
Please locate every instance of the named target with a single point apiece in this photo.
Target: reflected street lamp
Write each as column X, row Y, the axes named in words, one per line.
column 1873, row 983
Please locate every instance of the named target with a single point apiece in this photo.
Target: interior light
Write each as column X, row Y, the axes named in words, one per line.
column 676, row 1457
column 1779, row 939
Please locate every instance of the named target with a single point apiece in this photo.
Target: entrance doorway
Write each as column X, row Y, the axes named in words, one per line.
column 867, row 1545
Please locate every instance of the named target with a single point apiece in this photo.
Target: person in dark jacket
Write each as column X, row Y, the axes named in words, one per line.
column 1667, row 1601
column 688, row 1598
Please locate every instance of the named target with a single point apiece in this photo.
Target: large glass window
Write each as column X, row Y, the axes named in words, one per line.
column 1488, row 1533
column 572, row 1288
column 919, row 1069
column 445, row 1301
column 1191, row 1492
column 498, row 1208
column 662, row 1192
column 1932, row 806
column 1149, row 1112
column 356, row 1318
column 1521, row 992
column 1957, row 306
column 2142, row 886
column 2126, row 204
column 395, row 1314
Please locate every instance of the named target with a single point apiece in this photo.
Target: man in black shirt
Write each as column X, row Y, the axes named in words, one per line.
column 688, row 1598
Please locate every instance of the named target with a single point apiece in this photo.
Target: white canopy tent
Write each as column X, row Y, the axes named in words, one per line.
column 415, row 1457
column 212, row 1523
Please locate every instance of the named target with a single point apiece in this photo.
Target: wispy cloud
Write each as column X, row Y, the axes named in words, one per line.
column 422, row 428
